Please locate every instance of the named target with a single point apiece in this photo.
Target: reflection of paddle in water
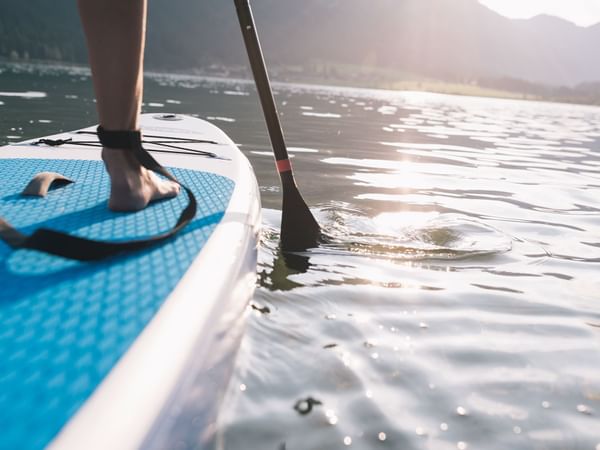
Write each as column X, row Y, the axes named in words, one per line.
column 285, row 264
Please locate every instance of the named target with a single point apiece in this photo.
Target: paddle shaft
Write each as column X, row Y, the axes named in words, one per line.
column 299, row 229
column 261, row 78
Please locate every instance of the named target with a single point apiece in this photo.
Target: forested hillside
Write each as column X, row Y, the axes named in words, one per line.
column 457, row 39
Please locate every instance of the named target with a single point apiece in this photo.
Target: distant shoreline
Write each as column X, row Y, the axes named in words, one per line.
column 337, row 75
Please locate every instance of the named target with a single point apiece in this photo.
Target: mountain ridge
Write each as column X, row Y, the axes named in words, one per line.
column 452, row 40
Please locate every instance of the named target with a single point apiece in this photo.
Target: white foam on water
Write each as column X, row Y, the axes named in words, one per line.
column 321, row 115
column 27, row 94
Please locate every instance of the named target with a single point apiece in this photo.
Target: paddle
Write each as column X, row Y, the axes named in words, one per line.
column 299, row 229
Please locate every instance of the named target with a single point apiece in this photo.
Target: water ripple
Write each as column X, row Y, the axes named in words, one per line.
column 408, row 236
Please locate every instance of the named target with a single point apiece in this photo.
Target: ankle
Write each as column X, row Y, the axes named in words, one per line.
column 120, row 159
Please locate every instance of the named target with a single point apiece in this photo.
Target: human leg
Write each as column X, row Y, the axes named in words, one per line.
column 115, row 33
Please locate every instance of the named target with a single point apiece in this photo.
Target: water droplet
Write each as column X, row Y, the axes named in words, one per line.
column 242, row 387
column 444, row 426
column 583, row 409
column 346, row 359
column 546, row 404
column 347, row 440
column 461, row 445
column 330, row 316
column 382, row 437
column 374, row 355
column 333, row 420
column 369, row 394
column 423, row 325
column 420, row 431
column 461, row 411
column 517, row 430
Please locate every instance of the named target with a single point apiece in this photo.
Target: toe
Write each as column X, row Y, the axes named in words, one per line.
column 165, row 189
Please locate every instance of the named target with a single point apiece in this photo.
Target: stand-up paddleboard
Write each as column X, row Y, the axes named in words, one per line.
column 107, row 354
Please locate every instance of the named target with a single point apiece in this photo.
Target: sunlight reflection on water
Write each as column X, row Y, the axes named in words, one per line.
column 454, row 289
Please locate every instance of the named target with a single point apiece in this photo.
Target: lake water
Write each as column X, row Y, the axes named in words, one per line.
column 456, row 304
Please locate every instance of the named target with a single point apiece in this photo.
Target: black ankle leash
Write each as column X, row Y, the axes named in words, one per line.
column 83, row 249
column 171, row 144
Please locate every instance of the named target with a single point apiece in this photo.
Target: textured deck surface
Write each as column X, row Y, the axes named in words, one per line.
column 64, row 324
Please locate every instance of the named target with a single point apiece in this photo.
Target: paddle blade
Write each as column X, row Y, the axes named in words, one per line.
column 299, row 229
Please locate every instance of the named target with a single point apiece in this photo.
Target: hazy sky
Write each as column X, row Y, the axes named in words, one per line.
column 582, row 12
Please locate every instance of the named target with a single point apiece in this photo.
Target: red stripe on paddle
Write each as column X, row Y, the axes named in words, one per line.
column 283, row 165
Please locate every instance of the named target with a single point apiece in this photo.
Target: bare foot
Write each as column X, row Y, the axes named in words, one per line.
column 132, row 186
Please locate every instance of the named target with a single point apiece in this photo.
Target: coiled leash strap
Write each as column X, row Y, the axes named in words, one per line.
column 82, row 249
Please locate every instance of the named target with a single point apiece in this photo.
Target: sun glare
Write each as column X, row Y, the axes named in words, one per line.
column 581, row 12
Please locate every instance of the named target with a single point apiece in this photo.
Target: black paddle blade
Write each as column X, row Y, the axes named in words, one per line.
column 299, row 229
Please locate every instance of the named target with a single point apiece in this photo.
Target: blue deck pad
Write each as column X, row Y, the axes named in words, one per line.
column 64, row 324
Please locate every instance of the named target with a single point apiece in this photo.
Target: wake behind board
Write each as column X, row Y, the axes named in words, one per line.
column 112, row 354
